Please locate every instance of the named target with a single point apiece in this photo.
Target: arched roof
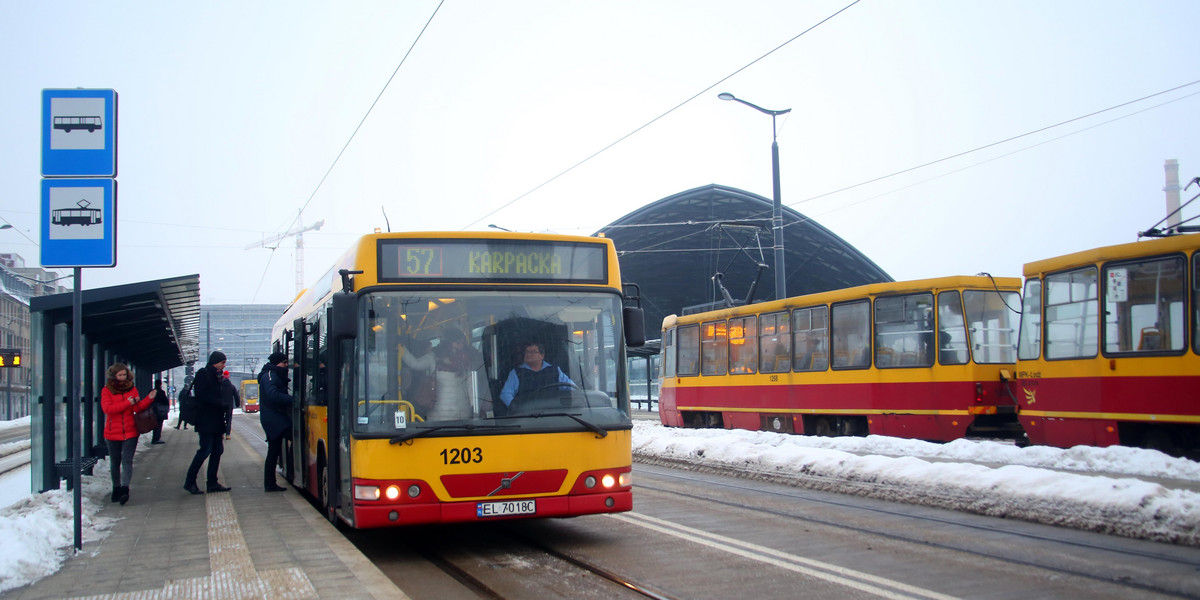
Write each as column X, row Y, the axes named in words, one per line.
column 672, row 248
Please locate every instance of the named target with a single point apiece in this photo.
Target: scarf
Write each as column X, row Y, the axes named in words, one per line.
column 119, row 387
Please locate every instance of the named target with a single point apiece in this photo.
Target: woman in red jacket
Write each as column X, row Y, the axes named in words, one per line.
column 119, row 401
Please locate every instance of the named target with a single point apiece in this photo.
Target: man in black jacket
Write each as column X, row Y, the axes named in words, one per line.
column 275, row 405
column 209, row 425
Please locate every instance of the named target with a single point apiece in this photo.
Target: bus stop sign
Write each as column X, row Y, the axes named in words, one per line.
column 79, row 133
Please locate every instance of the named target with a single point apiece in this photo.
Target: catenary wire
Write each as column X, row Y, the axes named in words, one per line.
column 656, row 119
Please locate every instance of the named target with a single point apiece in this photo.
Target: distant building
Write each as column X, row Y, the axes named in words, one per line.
column 18, row 284
column 672, row 248
column 241, row 331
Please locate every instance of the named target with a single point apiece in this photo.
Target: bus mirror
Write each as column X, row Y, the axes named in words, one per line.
column 345, row 313
column 635, row 327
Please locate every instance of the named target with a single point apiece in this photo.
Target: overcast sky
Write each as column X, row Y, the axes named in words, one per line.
column 232, row 113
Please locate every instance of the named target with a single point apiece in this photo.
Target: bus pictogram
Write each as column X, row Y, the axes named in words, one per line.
column 68, row 123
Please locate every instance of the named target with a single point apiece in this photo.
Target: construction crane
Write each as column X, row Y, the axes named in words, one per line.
column 298, row 231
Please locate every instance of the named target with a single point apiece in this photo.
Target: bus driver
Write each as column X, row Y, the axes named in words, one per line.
column 533, row 374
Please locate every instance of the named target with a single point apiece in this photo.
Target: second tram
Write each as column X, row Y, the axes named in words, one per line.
column 927, row 359
column 1108, row 347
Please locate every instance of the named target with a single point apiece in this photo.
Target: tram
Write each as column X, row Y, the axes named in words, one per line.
column 1107, row 350
column 402, row 352
column 929, row 359
column 249, row 396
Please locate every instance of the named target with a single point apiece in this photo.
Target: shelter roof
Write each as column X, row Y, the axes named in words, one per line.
column 154, row 325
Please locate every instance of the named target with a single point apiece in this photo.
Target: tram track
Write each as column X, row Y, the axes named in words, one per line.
column 499, row 561
column 1114, row 571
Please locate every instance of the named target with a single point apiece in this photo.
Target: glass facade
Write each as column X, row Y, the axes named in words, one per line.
column 241, row 331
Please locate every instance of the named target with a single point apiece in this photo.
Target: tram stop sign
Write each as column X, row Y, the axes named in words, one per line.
column 79, row 189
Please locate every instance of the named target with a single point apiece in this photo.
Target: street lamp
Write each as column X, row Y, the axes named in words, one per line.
column 777, row 211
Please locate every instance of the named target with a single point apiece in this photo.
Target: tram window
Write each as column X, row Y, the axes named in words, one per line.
column 990, row 315
column 689, row 350
column 714, row 348
column 1196, row 303
column 668, row 353
column 775, row 342
column 811, row 327
column 904, row 335
column 1029, row 341
column 1144, row 306
column 1072, row 304
column 952, row 335
column 851, row 335
column 743, row 346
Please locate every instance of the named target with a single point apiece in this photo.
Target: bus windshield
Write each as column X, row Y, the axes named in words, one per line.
column 459, row 360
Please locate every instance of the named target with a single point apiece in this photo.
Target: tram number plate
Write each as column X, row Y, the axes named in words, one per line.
column 504, row 509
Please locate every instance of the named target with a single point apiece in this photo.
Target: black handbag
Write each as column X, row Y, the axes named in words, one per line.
column 145, row 420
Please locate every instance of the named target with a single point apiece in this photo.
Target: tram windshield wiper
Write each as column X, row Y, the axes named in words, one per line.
column 599, row 431
column 404, row 437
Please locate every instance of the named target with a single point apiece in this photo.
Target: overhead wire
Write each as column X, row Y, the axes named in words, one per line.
column 656, row 119
column 345, row 146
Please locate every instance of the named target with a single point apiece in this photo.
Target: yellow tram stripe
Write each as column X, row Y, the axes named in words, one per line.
column 1063, row 414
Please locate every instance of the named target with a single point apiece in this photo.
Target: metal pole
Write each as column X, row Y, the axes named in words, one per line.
column 76, row 392
column 777, row 219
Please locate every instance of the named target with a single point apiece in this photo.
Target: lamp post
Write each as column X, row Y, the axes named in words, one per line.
column 777, row 209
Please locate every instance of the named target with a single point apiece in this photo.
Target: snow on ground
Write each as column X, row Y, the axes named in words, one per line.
column 1099, row 489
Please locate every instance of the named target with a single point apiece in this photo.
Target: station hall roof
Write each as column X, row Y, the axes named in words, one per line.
column 154, row 325
column 673, row 247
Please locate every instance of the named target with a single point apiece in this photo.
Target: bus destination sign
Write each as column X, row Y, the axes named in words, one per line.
column 467, row 261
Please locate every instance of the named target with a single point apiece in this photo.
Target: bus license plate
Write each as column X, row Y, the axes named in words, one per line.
column 504, row 509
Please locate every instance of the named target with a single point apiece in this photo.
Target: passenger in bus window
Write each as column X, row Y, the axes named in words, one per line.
column 458, row 391
column 533, row 374
column 417, row 364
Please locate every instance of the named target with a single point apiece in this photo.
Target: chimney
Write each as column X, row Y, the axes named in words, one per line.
column 1172, row 190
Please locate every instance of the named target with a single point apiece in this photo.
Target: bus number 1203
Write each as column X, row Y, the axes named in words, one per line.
column 462, row 456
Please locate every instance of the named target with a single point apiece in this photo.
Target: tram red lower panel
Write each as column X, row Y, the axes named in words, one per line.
column 374, row 515
column 920, row 410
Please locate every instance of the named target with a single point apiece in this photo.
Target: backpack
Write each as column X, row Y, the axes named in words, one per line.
column 189, row 406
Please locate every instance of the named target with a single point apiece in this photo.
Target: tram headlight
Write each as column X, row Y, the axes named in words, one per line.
column 366, row 492
column 392, row 492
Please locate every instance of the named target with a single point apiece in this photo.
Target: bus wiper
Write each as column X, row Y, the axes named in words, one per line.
column 404, row 437
column 596, row 429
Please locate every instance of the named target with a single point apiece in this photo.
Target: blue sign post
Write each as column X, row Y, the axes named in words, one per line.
column 79, row 219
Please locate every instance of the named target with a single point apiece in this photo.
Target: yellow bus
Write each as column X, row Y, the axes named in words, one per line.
column 404, row 352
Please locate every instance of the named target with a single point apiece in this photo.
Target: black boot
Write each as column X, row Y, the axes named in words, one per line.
column 124, row 495
column 192, row 487
column 116, row 495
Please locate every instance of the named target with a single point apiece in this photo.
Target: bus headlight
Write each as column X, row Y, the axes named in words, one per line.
column 626, row 479
column 392, row 492
column 589, row 482
column 414, row 490
column 608, row 481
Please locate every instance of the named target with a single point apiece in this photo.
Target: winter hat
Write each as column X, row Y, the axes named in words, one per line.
column 276, row 358
column 216, row 357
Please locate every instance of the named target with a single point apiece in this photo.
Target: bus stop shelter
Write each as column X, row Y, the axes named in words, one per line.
column 152, row 326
